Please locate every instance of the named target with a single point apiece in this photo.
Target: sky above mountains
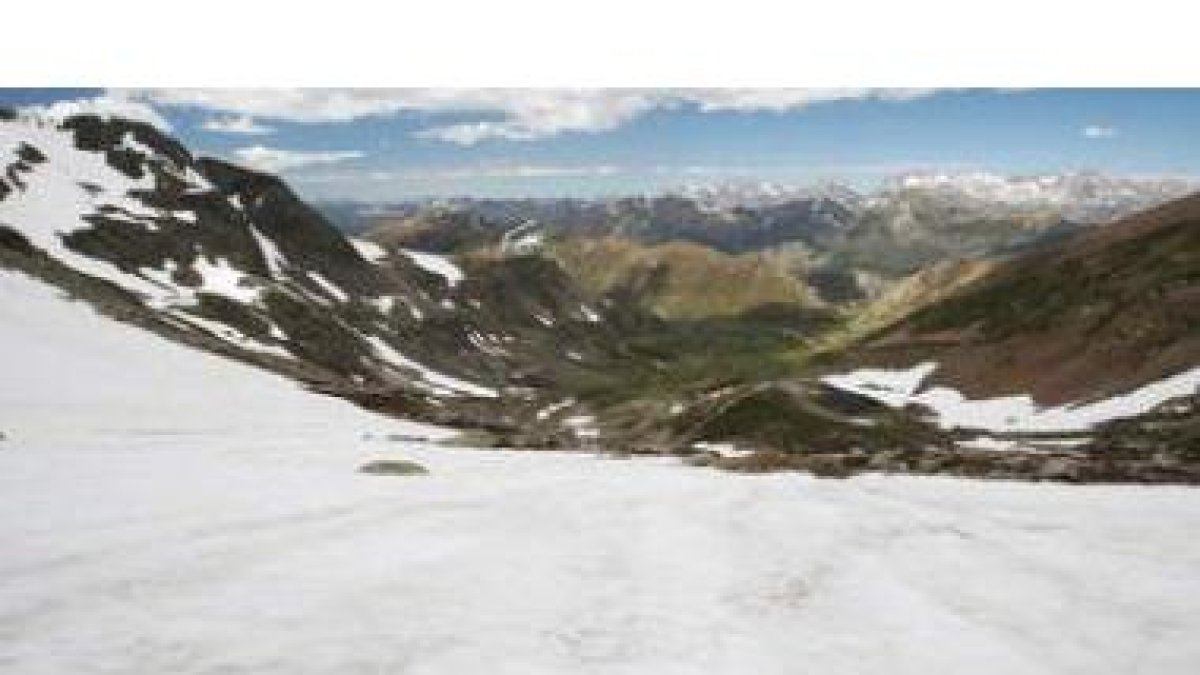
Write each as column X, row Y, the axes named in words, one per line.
column 380, row 145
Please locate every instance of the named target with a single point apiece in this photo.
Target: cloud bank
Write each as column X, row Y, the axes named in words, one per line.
column 236, row 124
column 508, row 114
column 275, row 160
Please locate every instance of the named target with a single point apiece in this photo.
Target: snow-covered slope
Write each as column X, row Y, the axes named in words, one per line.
column 227, row 254
column 70, row 372
column 194, row 555
column 903, row 387
column 232, row 260
column 166, row 510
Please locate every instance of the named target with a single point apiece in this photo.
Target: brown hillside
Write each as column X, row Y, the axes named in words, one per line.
column 1103, row 312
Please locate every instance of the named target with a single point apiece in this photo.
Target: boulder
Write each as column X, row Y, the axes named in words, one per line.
column 393, row 467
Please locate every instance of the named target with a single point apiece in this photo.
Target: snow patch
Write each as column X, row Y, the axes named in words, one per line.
column 555, row 408
column 437, row 264
column 369, row 250
column 218, row 278
column 329, row 287
column 897, row 388
column 221, row 278
column 445, row 383
column 270, row 252
column 583, row 426
column 590, row 314
column 236, row 337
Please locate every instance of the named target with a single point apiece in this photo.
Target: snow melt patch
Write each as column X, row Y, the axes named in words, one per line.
column 369, row 250
column 437, row 264
column 219, row 278
column 583, row 426
column 236, row 337
column 223, row 279
column 555, row 408
column 329, row 287
column 270, row 252
column 589, row 314
column 521, row 239
column 892, row 387
column 384, row 303
column 897, row 388
column 723, row 449
column 445, row 383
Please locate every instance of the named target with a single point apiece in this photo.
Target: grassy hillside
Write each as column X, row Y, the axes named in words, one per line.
column 680, row 280
column 1100, row 313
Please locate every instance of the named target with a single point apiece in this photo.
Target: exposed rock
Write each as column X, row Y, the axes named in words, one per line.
column 1067, row 467
column 393, row 467
column 1059, row 469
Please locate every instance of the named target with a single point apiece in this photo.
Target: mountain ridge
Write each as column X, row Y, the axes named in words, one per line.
column 533, row 334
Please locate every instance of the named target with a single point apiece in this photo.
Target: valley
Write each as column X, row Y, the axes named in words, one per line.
column 949, row 422
column 657, row 325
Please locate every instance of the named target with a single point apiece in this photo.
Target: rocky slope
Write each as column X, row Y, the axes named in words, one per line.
column 841, row 234
column 230, row 260
column 1077, row 361
column 1103, row 312
column 602, row 335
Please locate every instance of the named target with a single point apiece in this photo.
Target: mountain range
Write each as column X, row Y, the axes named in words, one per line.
column 917, row 329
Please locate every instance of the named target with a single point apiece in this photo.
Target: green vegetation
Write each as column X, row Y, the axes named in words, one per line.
column 677, row 358
column 680, row 280
column 793, row 419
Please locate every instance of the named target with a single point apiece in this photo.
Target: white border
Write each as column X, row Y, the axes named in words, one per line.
column 589, row 43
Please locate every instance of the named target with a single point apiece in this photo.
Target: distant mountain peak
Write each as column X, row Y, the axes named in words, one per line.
column 756, row 194
column 1082, row 195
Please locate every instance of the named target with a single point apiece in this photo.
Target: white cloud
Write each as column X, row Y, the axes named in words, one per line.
column 109, row 104
column 784, row 100
column 466, row 173
column 236, row 124
column 511, row 114
column 1098, row 131
column 507, row 114
column 275, row 160
column 525, row 171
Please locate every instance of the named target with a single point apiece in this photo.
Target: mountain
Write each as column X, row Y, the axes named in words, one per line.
column 919, row 219
column 1079, row 360
column 1105, row 311
column 230, row 260
column 1092, row 344
column 844, row 245
column 1085, row 197
column 739, row 217
column 761, row 194
column 661, row 326
column 680, row 279
column 650, row 220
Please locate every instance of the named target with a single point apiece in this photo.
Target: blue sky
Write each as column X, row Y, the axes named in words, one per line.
column 379, row 145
